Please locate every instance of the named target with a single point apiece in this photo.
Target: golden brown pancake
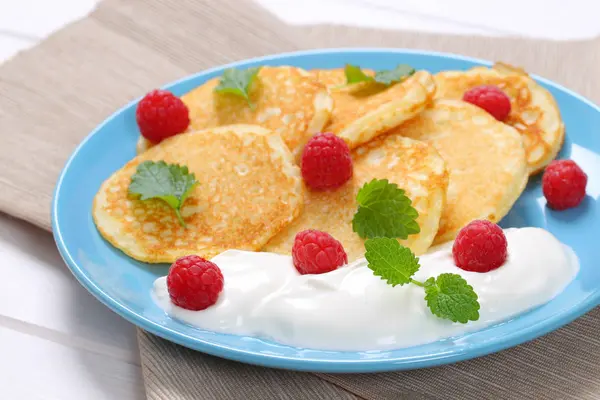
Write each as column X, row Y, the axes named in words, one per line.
column 534, row 111
column 414, row 166
column 485, row 158
column 288, row 101
column 363, row 111
column 249, row 189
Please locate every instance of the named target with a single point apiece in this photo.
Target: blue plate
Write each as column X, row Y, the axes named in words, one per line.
column 124, row 285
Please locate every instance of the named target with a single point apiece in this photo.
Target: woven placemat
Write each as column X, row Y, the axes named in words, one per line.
column 52, row 96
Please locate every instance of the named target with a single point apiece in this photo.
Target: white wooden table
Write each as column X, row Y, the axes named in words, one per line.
column 56, row 340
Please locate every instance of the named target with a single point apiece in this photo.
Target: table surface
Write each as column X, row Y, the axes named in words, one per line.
column 61, row 343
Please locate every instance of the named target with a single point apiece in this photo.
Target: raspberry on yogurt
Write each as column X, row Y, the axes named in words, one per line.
column 317, row 252
column 480, row 247
column 194, row 283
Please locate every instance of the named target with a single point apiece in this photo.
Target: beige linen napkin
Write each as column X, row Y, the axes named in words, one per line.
column 53, row 95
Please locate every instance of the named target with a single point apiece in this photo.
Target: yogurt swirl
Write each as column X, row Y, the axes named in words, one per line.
column 351, row 309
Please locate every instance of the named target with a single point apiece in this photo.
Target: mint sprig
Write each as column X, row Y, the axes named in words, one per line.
column 448, row 296
column 384, row 210
column 384, row 215
column 384, row 77
column 238, row 83
column 171, row 183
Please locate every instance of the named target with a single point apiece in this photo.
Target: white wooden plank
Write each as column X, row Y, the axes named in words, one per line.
column 362, row 14
column 34, row 368
column 536, row 18
column 38, row 295
column 11, row 45
column 39, row 18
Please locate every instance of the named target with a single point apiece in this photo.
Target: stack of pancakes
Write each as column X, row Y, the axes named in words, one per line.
column 454, row 160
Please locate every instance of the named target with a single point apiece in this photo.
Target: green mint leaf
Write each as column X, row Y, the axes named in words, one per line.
column 238, row 82
column 385, row 77
column 391, row 261
column 354, row 75
column 384, row 211
column 395, row 75
column 171, row 183
column 449, row 296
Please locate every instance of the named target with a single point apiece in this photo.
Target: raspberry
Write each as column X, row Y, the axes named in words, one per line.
column 160, row 114
column 480, row 247
column 316, row 252
column 194, row 283
column 491, row 99
column 326, row 162
column 563, row 184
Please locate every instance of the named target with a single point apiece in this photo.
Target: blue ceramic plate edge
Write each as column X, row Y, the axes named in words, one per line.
column 313, row 365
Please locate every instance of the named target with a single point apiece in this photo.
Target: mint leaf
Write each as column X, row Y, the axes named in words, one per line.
column 354, row 75
column 238, row 82
column 391, row 261
column 384, row 77
column 449, row 296
column 171, row 183
column 384, row 211
column 395, row 75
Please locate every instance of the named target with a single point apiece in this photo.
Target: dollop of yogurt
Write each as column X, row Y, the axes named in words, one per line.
column 351, row 309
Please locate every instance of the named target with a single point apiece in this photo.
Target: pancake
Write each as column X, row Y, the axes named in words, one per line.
column 288, row 100
column 534, row 111
column 485, row 159
column 249, row 189
column 414, row 166
column 363, row 111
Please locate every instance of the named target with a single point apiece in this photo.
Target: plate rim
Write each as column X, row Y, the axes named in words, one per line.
column 307, row 364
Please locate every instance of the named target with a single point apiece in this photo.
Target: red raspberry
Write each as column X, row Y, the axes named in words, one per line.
column 491, row 99
column 316, row 252
column 194, row 283
column 563, row 184
column 326, row 162
column 480, row 247
column 160, row 114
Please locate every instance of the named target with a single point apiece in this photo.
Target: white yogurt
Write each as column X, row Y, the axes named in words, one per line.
column 351, row 309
